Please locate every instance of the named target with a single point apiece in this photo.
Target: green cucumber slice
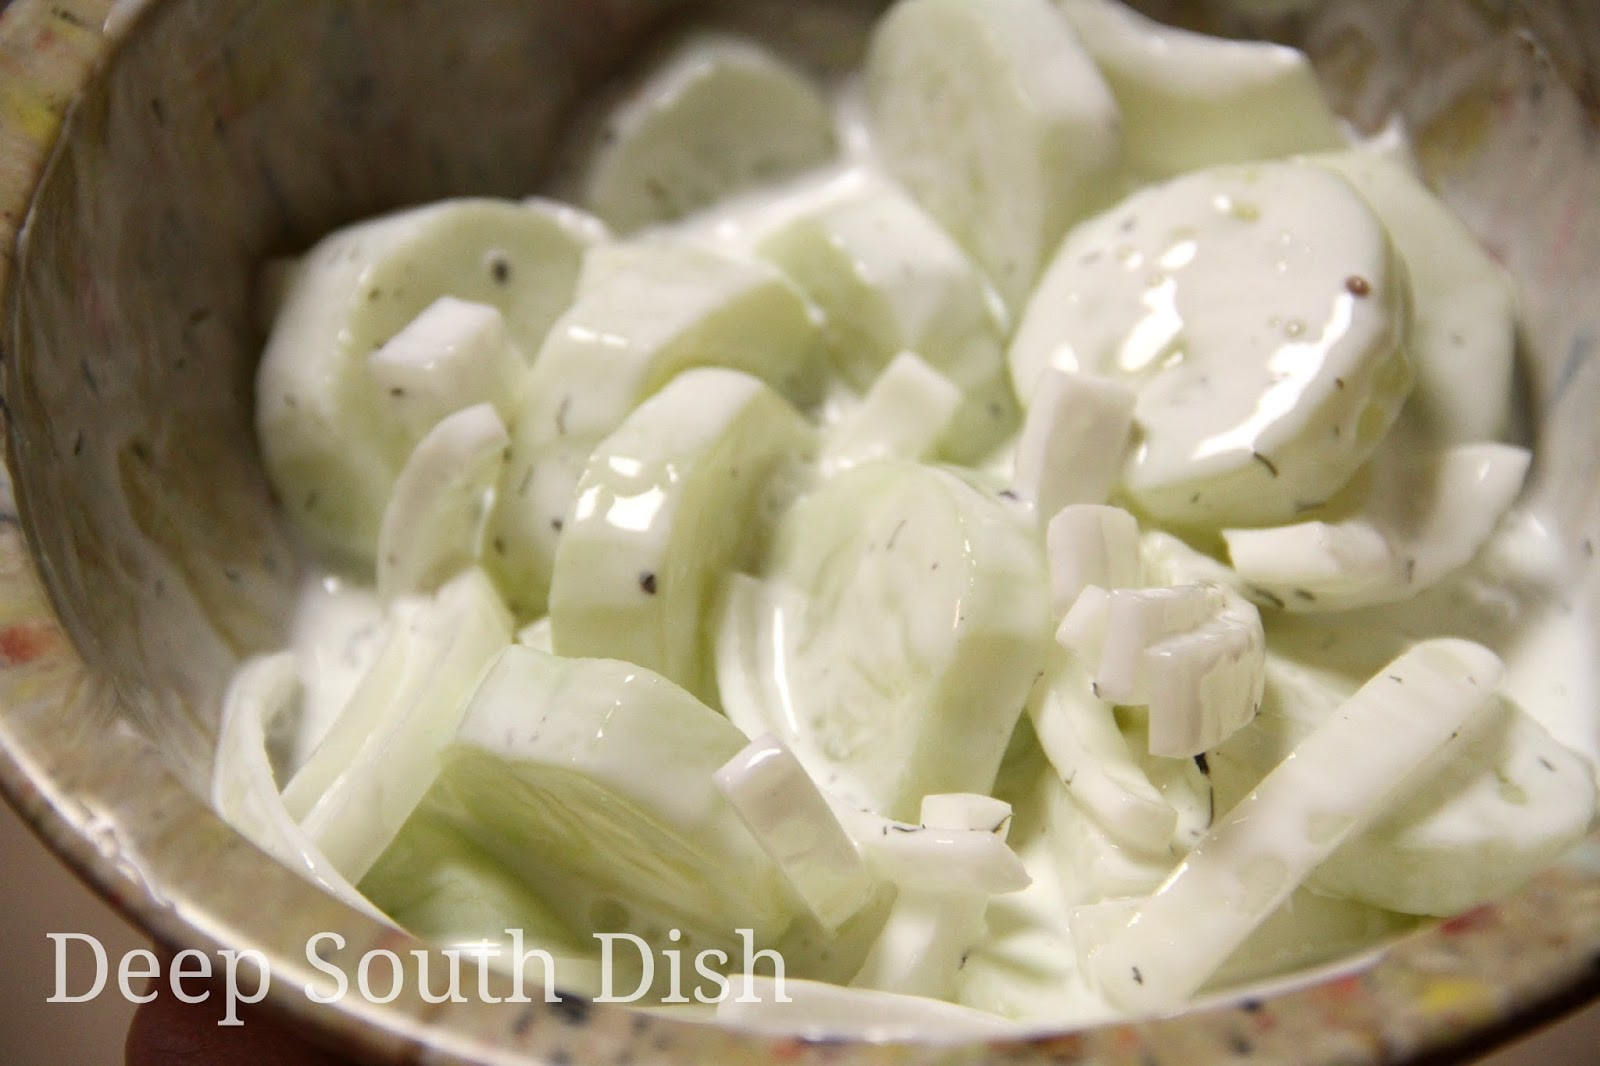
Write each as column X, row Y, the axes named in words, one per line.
column 890, row 280
column 438, row 884
column 919, row 623
column 651, row 314
column 712, row 116
column 380, row 756
column 1463, row 334
column 330, row 438
column 1190, row 101
column 1260, row 313
column 591, row 781
column 995, row 119
column 683, row 493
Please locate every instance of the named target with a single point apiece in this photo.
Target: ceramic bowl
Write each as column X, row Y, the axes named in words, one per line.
column 153, row 153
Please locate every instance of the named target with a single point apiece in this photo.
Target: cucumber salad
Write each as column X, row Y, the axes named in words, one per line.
column 1023, row 532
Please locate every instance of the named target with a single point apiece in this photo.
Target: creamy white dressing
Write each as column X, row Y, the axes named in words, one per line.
column 1318, row 325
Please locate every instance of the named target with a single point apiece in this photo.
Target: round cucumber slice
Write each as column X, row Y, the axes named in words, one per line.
column 1507, row 803
column 671, row 502
column 330, row 440
column 998, row 123
column 438, row 884
column 1191, row 101
column 890, row 280
column 923, row 622
column 652, row 313
column 712, row 116
column 1260, row 313
column 1425, row 516
column 1463, row 335
column 591, row 781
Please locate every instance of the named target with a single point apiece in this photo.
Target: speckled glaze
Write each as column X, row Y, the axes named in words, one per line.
column 152, row 153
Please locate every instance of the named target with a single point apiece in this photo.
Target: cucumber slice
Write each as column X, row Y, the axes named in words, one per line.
column 591, row 781
column 1310, row 930
column 1425, row 517
column 1515, row 595
column 670, row 503
column 747, row 658
column 1297, row 697
column 1024, row 968
column 1259, row 311
column 1190, row 101
column 901, row 417
column 919, row 951
column 244, row 792
column 712, row 116
column 889, row 280
column 662, row 309
column 372, row 769
column 439, row 885
column 923, row 623
column 1340, row 778
column 1463, row 333
column 1507, row 803
column 331, row 436
column 433, row 524
column 996, row 120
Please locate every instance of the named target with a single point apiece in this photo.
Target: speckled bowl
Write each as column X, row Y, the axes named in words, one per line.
column 152, row 153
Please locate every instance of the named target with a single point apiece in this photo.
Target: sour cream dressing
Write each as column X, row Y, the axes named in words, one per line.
column 1516, row 596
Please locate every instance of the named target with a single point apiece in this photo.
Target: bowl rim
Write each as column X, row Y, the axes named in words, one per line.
column 101, row 798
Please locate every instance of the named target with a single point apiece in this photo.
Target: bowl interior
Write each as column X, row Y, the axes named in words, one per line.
column 214, row 135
